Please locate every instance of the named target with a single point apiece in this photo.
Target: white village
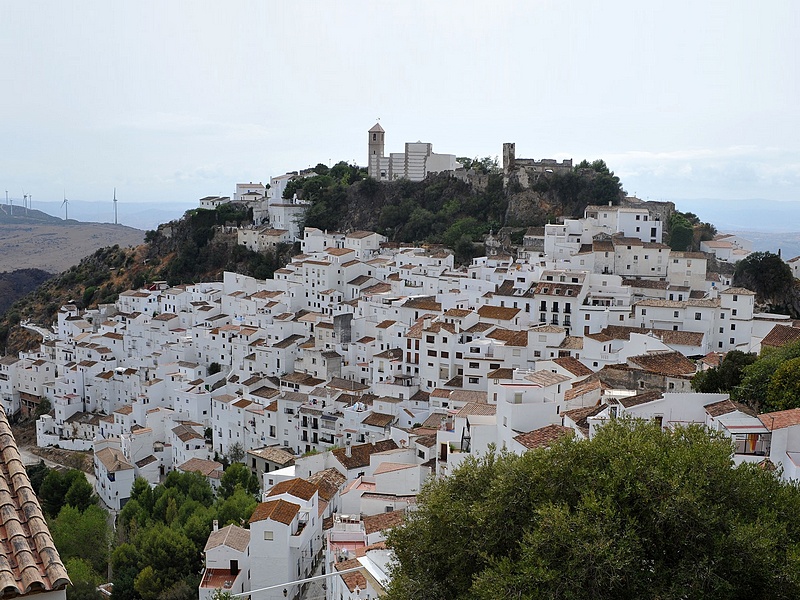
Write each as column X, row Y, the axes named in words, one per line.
column 365, row 368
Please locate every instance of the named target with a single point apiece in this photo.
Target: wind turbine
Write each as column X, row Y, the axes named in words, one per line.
column 25, row 200
column 65, row 204
column 115, row 206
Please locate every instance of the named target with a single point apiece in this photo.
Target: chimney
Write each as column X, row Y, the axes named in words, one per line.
column 215, row 525
column 347, row 451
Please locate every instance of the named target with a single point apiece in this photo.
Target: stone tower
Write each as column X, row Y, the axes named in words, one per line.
column 375, row 146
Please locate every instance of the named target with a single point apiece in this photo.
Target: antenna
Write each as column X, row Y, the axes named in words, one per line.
column 115, row 206
column 65, row 204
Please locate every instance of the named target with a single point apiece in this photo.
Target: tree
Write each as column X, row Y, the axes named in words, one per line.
column 784, row 386
column 726, row 376
column 238, row 475
column 84, row 580
column 83, row 535
column 766, row 274
column 43, row 408
column 57, row 486
column 681, row 232
column 635, row 512
column 236, row 452
column 757, row 388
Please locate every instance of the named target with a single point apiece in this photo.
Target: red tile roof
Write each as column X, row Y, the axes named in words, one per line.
column 544, row 436
column 781, row 419
column 29, row 561
column 277, row 510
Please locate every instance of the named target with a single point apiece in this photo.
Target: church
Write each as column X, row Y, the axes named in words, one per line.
column 415, row 164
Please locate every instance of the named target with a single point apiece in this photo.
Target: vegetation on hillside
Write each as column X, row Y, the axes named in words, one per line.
column 14, row 284
column 162, row 532
column 195, row 248
column 80, row 527
column 685, row 231
column 636, row 512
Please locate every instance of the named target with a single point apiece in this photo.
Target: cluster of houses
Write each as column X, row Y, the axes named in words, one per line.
column 364, row 368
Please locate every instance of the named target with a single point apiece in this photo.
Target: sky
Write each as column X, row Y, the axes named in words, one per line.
column 172, row 101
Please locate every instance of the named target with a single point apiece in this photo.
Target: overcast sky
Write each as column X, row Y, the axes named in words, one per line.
column 171, row 101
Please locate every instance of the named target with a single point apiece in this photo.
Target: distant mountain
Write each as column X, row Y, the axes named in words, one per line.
column 40, row 241
column 140, row 215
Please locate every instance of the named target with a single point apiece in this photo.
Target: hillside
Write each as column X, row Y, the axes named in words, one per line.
column 40, row 241
column 200, row 246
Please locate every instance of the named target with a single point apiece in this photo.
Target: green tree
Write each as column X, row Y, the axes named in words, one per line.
column 37, row 473
column 756, row 385
column 80, row 493
column 726, row 376
column 238, row 475
column 635, row 512
column 84, row 580
column 681, row 232
column 83, row 535
column 55, row 487
column 766, row 274
column 43, row 408
column 236, row 453
column 236, row 508
column 784, row 386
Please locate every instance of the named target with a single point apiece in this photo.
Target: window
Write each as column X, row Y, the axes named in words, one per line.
column 733, row 341
column 697, row 316
column 675, row 314
column 474, row 380
column 733, row 312
column 431, row 352
column 733, row 326
column 517, row 397
column 644, row 311
column 735, row 297
column 473, row 365
column 269, row 535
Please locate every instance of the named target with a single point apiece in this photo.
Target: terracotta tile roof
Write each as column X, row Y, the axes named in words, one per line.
column 297, row 487
column 573, row 365
column 199, row 465
column 580, row 416
column 428, row 441
column 277, row 510
column 423, row 303
column 185, row 433
column 29, row 561
column 780, row 335
column 723, row 407
column 359, row 455
column 781, row 419
column 328, row 483
column 377, row 419
column 668, row 336
column 231, row 536
column 584, row 387
column 383, row 521
column 504, row 313
column 643, row 398
column 501, row 373
column 544, row 378
column 572, row 342
column 671, row 364
column 650, row 284
column 511, row 338
column 390, row 467
column 355, row 579
column 113, row 460
column 275, row 455
column 477, row 409
column 544, row 436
